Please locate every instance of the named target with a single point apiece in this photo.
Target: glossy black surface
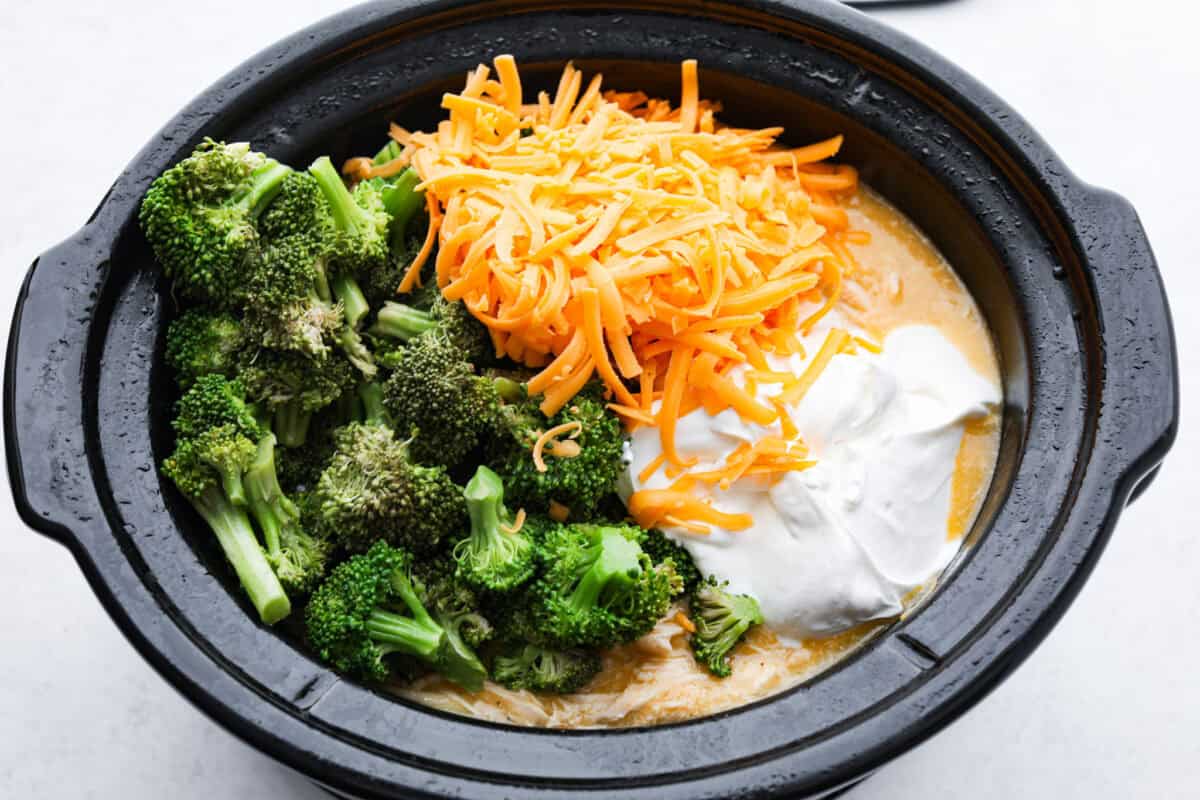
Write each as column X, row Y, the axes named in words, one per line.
column 1062, row 271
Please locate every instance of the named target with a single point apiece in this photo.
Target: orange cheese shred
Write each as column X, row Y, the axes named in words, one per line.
column 613, row 236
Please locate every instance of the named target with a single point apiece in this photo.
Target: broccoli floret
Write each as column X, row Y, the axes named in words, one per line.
column 721, row 620
column 579, row 481
column 293, row 387
column 405, row 208
column 540, row 669
column 215, row 400
column 372, row 489
column 452, row 318
column 452, row 603
column 491, row 558
column 199, row 217
column 208, row 469
column 299, row 558
column 596, row 588
column 369, row 609
column 360, row 241
column 662, row 549
column 434, row 394
column 203, row 342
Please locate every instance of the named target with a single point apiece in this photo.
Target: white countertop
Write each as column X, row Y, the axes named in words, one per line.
column 1108, row 708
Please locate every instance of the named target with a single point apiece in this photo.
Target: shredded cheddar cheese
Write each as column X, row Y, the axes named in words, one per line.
column 518, row 523
column 609, row 235
column 550, row 437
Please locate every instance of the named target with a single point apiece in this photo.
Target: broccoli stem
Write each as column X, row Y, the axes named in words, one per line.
column 269, row 506
column 264, row 184
column 354, row 302
column 402, row 203
column 616, row 565
column 509, row 390
column 347, row 214
column 371, row 394
column 485, row 504
column 386, row 153
column 291, row 424
column 416, row 637
column 398, row 321
column 245, row 554
column 231, row 482
column 356, row 351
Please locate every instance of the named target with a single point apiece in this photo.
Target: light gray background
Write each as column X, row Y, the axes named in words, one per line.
column 1109, row 707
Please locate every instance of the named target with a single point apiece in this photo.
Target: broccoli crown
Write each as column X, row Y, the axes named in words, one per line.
column 434, row 393
column 217, row 455
column 199, row 217
column 722, row 620
column 278, row 377
column 360, row 221
column 597, row 588
column 662, row 549
column 490, row 557
column 372, row 490
column 451, row 601
column 579, row 482
column 298, row 557
column 369, row 608
column 215, row 400
column 203, row 342
column 540, row 669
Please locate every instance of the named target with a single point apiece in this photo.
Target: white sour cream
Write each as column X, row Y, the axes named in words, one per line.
column 846, row 540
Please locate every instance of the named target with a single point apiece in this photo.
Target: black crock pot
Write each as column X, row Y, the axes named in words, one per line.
column 1062, row 271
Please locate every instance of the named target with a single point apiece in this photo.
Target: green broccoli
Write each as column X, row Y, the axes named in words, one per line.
column 215, row 400
column 203, row 342
column 372, row 489
column 490, row 557
column 199, row 217
column 540, row 669
column 596, row 588
column 432, row 311
column 579, row 481
column 360, row 241
column 434, row 394
column 293, row 387
column 661, row 549
column 368, row 609
column 297, row 556
column 721, row 620
column 289, row 300
column 214, row 450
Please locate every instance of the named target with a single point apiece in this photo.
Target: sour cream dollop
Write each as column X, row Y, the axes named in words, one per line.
column 846, row 540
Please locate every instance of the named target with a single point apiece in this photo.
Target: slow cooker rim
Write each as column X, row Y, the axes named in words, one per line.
column 129, row 188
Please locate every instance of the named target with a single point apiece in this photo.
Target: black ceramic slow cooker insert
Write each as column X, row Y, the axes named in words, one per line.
column 1062, row 272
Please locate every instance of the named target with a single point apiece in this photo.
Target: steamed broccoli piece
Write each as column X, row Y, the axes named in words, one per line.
column 429, row 311
column 199, row 217
column 721, row 620
column 579, row 482
column 491, row 558
column 203, row 342
column 293, row 387
column 434, row 394
column 360, row 241
column 215, row 400
column 451, row 600
column 403, row 205
column 540, row 669
column 298, row 557
column 207, row 467
column 369, row 609
column 662, row 549
column 372, row 489
column 288, row 301
column 597, row 588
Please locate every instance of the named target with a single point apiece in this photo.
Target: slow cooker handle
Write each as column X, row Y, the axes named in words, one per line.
column 1140, row 396
column 44, row 434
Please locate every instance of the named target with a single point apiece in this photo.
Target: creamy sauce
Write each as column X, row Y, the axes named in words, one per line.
column 901, row 281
